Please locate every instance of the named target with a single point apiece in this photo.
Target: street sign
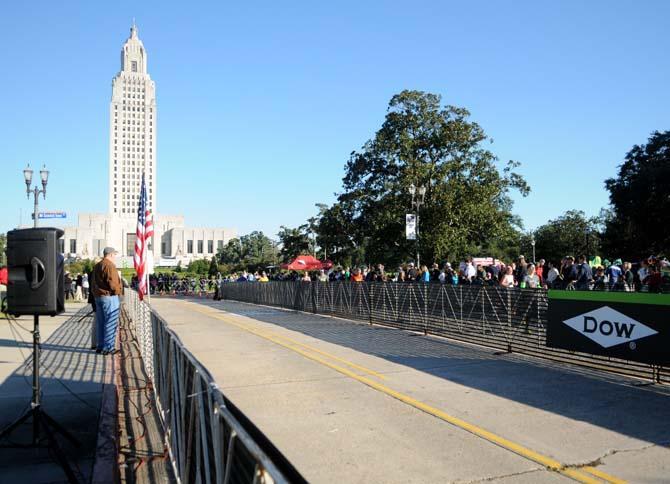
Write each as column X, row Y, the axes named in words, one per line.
column 410, row 226
column 41, row 215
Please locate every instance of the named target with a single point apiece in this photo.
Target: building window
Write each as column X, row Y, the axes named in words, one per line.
column 219, row 245
column 189, row 246
column 200, row 246
column 61, row 245
column 210, row 246
column 73, row 246
column 130, row 244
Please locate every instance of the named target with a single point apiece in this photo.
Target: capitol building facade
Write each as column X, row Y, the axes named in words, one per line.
column 132, row 153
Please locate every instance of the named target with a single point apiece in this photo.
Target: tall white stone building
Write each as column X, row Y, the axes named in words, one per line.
column 132, row 131
column 132, row 152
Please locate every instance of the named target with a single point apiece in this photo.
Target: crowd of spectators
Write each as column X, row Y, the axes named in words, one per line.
column 650, row 274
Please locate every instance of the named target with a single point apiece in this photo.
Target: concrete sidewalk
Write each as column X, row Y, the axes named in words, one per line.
column 281, row 369
column 72, row 381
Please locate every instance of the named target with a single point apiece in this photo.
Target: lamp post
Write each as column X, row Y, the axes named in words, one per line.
column 28, row 176
column 532, row 242
column 418, row 197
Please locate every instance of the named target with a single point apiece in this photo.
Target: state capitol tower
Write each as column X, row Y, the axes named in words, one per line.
column 132, row 140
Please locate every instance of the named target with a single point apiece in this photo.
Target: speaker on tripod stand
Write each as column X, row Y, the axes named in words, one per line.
column 35, row 287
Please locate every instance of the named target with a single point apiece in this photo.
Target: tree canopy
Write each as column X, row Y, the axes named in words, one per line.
column 249, row 252
column 467, row 207
column 570, row 234
column 640, row 201
column 294, row 242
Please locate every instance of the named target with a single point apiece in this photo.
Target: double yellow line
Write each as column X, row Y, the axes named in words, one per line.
column 585, row 474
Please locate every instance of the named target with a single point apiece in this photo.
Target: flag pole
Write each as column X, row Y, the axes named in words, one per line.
column 150, row 266
column 148, row 281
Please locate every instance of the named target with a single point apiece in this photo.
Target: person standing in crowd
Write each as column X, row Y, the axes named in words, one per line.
column 508, row 278
column 539, row 270
column 552, row 275
column 600, row 282
column 531, row 279
column 614, row 272
column 584, row 274
column 469, row 272
column 569, row 273
column 78, row 294
column 107, row 289
column 628, row 277
column 357, row 275
column 412, row 272
column 642, row 273
column 435, row 273
column 67, row 286
column 424, row 275
column 521, row 269
column 4, row 275
column 85, row 285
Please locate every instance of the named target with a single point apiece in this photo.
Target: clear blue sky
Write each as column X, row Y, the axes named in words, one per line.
column 259, row 106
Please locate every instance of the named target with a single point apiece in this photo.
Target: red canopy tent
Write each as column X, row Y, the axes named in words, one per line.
column 305, row 263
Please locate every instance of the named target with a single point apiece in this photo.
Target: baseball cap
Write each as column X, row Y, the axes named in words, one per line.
column 109, row 250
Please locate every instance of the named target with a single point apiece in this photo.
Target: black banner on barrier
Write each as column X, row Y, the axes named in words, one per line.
column 630, row 326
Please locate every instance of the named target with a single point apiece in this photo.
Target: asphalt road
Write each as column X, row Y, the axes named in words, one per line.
column 348, row 402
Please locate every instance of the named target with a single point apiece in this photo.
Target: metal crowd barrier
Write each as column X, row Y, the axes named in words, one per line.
column 508, row 320
column 208, row 438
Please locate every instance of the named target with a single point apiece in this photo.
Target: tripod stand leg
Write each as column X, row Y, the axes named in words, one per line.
column 8, row 430
column 53, row 444
column 59, row 428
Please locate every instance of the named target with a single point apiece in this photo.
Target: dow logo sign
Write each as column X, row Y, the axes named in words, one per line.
column 608, row 327
column 628, row 326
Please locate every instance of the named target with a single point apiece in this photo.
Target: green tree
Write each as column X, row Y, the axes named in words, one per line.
column 294, row 242
column 570, row 234
column 253, row 251
column 3, row 244
column 199, row 266
column 640, row 201
column 213, row 267
column 335, row 234
column 231, row 253
column 467, row 204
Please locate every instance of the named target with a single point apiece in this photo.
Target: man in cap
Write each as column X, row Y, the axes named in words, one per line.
column 107, row 289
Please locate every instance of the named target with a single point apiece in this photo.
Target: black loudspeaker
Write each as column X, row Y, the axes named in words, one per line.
column 35, row 272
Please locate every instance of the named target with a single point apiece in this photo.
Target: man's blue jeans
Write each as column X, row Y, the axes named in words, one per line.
column 107, row 319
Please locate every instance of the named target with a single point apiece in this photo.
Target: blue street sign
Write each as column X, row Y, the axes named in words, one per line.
column 50, row 215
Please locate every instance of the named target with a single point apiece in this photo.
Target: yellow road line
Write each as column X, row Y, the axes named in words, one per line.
column 588, row 477
column 336, row 358
column 603, row 475
column 306, row 346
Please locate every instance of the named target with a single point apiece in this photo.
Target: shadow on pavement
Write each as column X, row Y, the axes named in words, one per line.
column 605, row 400
column 71, row 382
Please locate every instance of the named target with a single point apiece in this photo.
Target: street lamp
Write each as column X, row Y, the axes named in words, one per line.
column 418, row 197
column 532, row 242
column 28, row 176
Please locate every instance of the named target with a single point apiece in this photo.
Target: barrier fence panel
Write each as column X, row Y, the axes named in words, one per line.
column 508, row 320
column 209, row 439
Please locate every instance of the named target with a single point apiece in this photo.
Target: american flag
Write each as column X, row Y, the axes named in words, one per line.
column 145, row 230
